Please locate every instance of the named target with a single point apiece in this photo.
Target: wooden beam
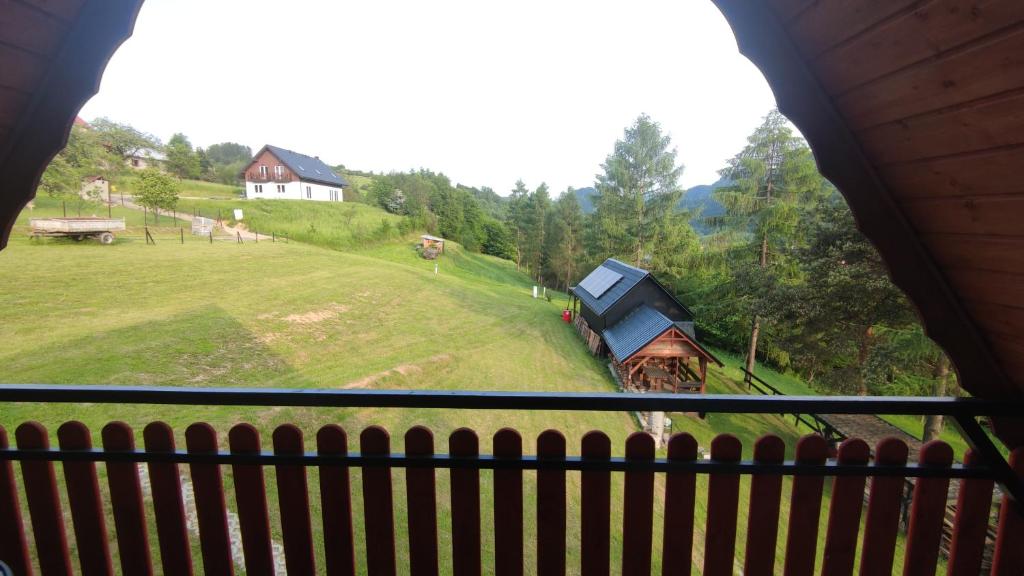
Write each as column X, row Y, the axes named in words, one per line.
column 764, row 40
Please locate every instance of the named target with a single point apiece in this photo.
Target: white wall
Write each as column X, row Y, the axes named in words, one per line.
column 293, row 191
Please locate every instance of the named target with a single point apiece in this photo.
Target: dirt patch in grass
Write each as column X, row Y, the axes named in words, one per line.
column 401, row 369
column 314, row 316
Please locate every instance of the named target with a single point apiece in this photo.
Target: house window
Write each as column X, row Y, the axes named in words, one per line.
column 259, row 188
column 279, row 171
column 280, row 188
column 263, row 171
column 309, row 191
column 135, row 162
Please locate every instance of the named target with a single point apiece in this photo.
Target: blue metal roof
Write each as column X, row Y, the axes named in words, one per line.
column 636, row 330
column 630, row 277
column 307, row 167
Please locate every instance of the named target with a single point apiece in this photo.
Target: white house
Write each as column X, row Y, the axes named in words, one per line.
column 276, row 173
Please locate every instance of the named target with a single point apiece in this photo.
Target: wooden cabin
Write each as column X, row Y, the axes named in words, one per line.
column 649, row 335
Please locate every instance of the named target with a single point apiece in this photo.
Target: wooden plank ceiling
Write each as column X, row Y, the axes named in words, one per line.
column 932, row 94
column 52, row 54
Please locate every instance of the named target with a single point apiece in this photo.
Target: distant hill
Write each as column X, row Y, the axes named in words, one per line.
column 698, row 200
column 586, row 198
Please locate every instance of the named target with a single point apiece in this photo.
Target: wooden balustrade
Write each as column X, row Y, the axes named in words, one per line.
column 249, row 460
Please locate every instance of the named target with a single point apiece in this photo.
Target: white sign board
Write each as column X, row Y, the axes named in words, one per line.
column 238, row 213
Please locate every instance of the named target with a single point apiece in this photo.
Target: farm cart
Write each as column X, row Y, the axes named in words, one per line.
column 78, row 229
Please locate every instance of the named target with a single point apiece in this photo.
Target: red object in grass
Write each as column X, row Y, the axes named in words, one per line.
column 567, row 316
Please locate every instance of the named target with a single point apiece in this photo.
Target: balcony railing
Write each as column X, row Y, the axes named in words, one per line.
column 258, row 178
column 851, row 468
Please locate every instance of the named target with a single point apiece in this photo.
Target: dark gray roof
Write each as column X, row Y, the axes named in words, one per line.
column 307, row 167
column 638, row 329
column 630, row 277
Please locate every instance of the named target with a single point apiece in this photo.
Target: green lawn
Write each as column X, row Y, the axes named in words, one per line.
column 339, row 225
column 188, row 188
column 300, row 316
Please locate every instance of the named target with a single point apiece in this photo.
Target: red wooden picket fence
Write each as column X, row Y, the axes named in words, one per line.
column 332, row 461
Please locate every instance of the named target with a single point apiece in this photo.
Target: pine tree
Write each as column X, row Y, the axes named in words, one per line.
column 639, row 184
column 769, row 178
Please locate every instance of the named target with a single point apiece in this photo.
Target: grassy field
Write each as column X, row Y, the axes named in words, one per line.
column 338, row 225
column 299, row 316
column 188, row 188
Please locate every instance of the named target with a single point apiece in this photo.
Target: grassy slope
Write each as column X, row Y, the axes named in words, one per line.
column 342, row 225
column 188, row 188
column 291, row 315
column 791, row 384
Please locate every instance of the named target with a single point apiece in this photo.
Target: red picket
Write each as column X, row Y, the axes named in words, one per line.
column 211, row 509
column 421, row 489
column 168, row 505
column 293, row 499
column 883, row 515
column 336, row 503
column 723, row 504
column 87, row 516
column 126, row 502
column 638, row 508
column 595, row 507
column 1009, row 554
column 970, row 525
column 378, row 504
column 680, row 488
column 465, row 494
column 844, row 511
column 927, row 512
column 13, row 545
column 551, row 506
column 763, row 517
column 251, row 500
column 805, row 509
column 44, row 507
column 508, row 506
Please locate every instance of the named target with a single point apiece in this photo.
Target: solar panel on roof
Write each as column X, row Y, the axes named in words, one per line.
column 599, row 281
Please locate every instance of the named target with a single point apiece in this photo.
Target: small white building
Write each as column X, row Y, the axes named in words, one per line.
column 278, row 174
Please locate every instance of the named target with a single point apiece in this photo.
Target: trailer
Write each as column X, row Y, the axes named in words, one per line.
column 77, row 229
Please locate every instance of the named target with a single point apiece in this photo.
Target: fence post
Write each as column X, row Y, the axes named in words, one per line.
column 64, row 205
column 211, row 235
column 273, row 236
column 257, row 232
column 181, row 231
column 239, row 236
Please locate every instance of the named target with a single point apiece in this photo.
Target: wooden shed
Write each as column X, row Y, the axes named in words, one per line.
column 647, row 332
column 429, row 241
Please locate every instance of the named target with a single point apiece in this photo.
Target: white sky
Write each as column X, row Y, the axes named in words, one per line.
column 485, row 92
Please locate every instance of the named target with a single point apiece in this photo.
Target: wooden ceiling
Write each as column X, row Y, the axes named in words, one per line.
column 52, row 54
column 915, row 110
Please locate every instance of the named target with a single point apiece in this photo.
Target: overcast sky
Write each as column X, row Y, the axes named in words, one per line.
column 485, row 92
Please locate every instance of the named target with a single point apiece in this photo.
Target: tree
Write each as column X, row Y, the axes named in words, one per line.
column 769, row 178
column 83, row 156
column 516, row 219
column 182, row 160
column 564, row 239
column 122, row 139
column 497, row 240
column 228, row 153
column 639, row 183
column 157, row 190
column 532, row 226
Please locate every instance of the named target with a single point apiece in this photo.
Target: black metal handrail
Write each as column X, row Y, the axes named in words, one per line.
column 461, row 399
